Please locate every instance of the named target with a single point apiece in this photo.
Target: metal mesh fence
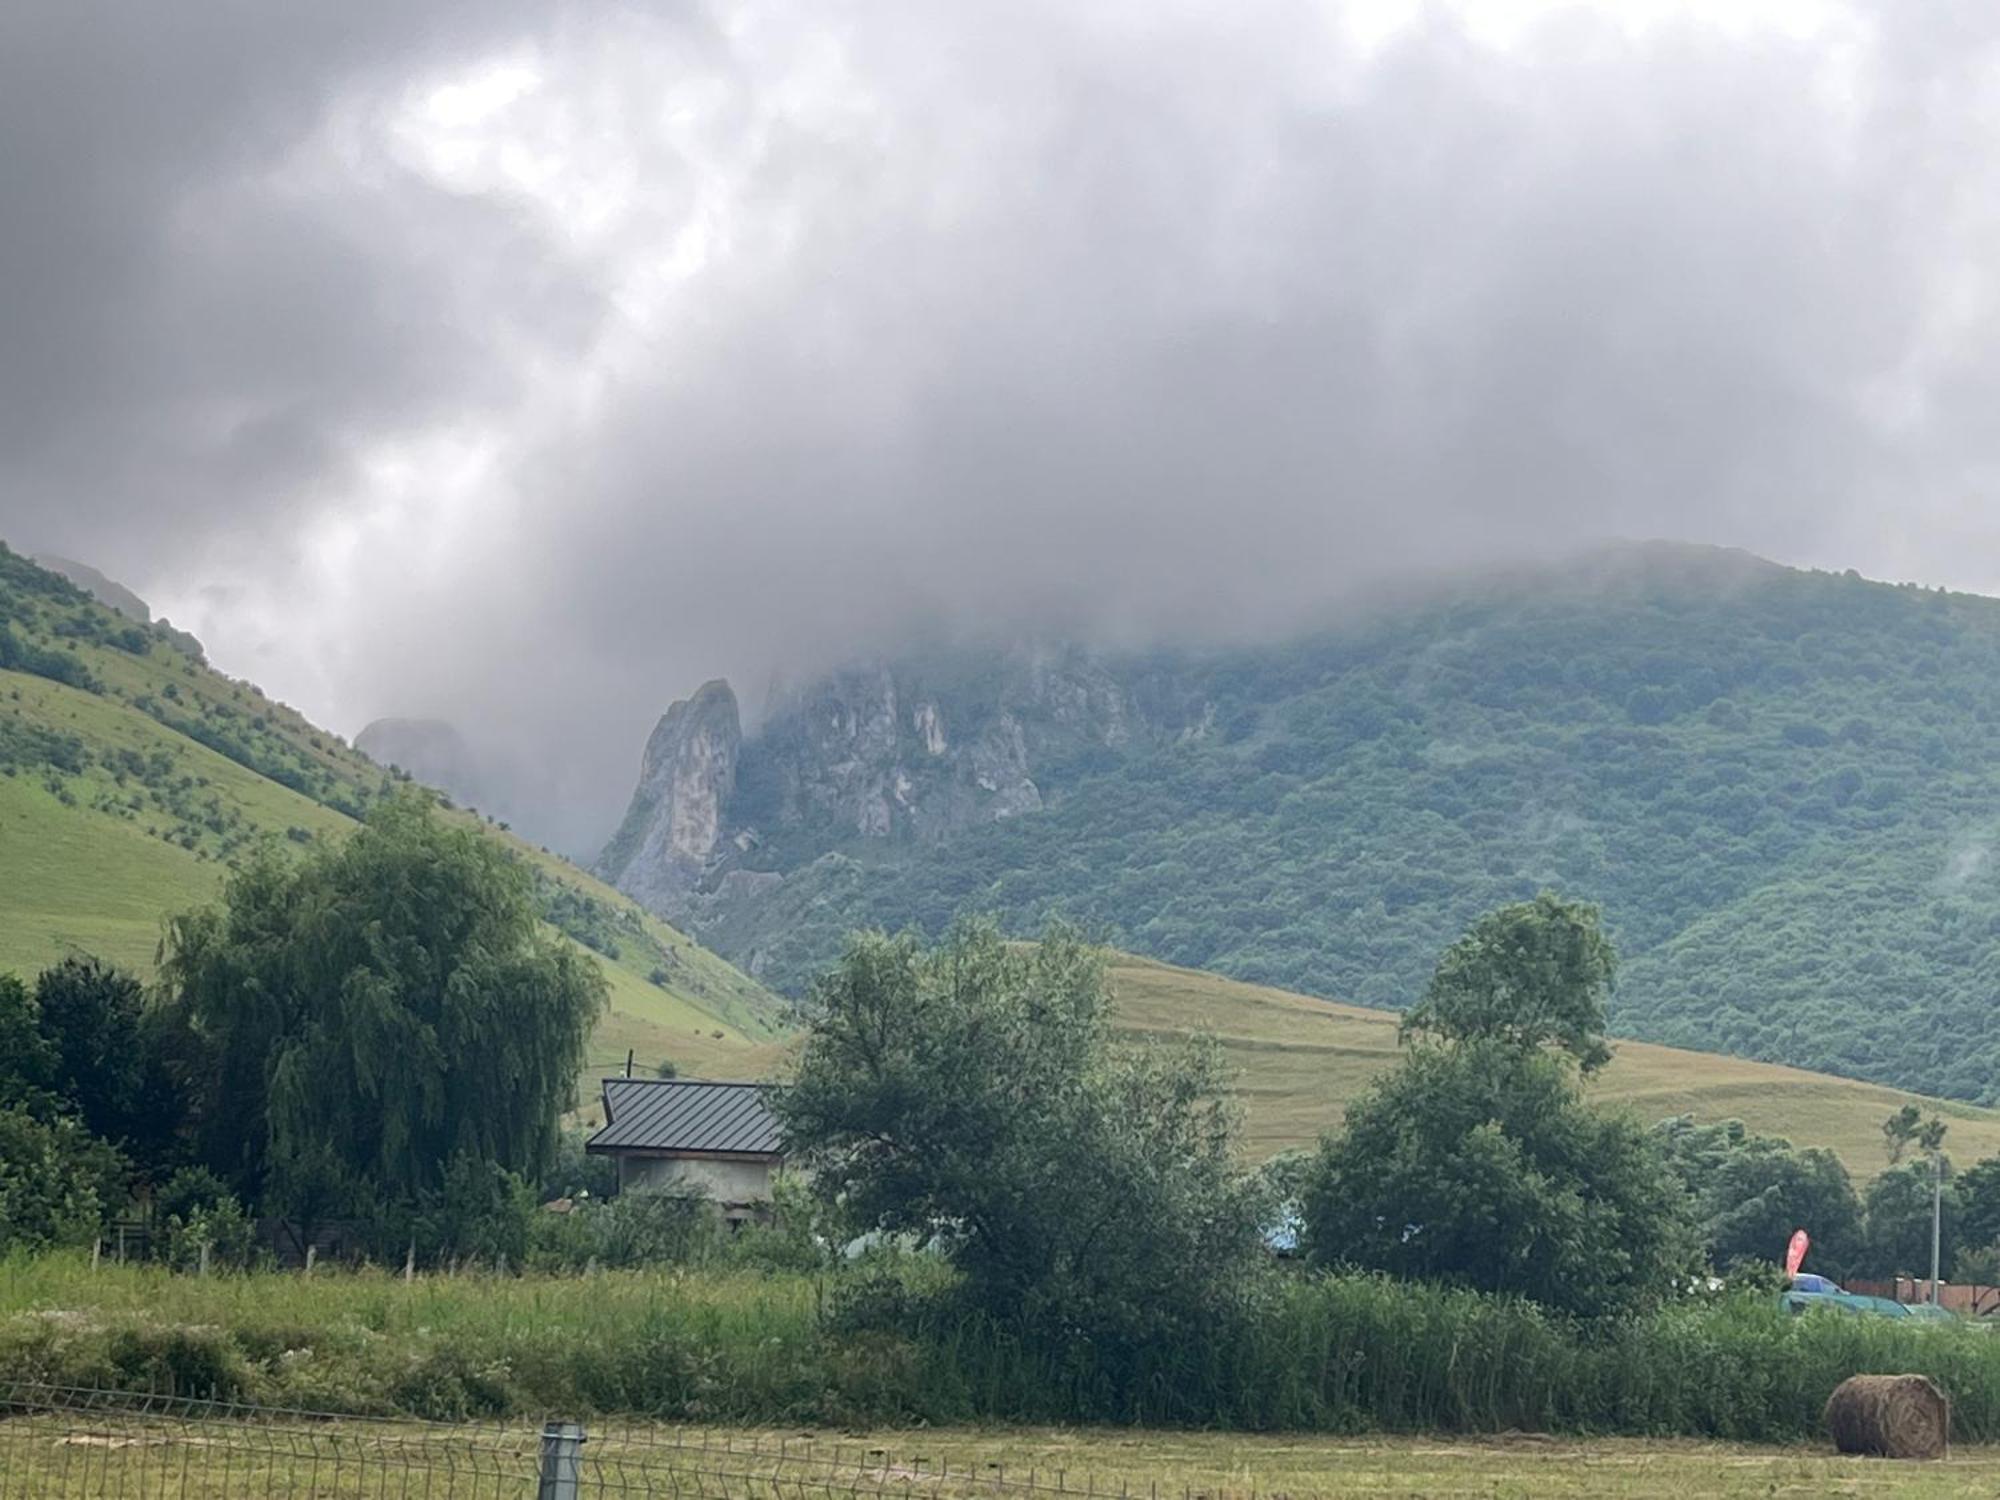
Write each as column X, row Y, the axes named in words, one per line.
column 66, row 1443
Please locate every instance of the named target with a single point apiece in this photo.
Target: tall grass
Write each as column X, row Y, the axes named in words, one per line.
column 1320, row 1353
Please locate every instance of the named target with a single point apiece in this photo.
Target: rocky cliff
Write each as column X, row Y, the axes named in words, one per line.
column 673, row 828
column 869, row 758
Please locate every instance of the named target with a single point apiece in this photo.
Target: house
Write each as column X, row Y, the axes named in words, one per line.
column 690, row 1135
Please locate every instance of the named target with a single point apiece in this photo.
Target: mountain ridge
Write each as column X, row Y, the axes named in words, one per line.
column 1767, row 776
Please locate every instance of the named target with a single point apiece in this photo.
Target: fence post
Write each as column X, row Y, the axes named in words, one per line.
column 562, row 1461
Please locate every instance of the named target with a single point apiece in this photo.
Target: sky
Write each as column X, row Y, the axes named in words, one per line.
column 527, row 364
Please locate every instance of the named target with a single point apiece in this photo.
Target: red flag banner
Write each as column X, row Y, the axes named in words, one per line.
column 1795, row 1253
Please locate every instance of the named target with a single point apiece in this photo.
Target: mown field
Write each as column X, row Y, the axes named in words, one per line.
column 1300, row 1060
column 60, row 1458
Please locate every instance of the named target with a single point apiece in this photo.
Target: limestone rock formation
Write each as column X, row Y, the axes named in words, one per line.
column 871, row 756
column 674, row 825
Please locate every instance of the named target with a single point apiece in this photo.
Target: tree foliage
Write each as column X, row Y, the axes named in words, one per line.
column 1750, row 1192
column 119, row 1064
column 1086, row 1187
column 1532, row 974
column 1481, row 1166
column 1475, row 1160
column 57, row 1182
column 27, row 1061
column 1908, row 1127
column 376, row 1011
column 1979, row 1202
column 1898, row 1205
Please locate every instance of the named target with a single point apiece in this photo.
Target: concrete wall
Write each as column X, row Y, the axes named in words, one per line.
column 724, row 1181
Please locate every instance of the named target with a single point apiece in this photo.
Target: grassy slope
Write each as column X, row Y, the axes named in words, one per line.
column 1301, row 1060
column 93, row 859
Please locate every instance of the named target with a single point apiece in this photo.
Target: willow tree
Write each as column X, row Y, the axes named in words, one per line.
column 374, row 1012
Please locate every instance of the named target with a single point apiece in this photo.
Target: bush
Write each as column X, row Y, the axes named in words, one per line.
column 631, row 1230
column 58, row 1183
column 197, row 1210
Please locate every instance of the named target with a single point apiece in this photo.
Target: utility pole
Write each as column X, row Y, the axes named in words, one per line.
column 1937, row 1218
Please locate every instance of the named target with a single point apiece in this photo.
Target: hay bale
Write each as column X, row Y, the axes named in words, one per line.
column 1891, row 1416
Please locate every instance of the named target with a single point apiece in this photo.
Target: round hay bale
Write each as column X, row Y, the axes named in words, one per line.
column 1891, row 1416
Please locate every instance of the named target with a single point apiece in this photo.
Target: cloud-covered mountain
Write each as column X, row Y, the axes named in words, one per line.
column 1782, row 786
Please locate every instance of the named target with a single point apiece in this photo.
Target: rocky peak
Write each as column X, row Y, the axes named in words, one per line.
column 911, row 750
column 686, row 779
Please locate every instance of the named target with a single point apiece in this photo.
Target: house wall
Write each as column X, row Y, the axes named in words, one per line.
column 724, row 1181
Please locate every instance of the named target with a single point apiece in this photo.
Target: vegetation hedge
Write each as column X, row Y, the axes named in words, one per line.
column 1330, row 1353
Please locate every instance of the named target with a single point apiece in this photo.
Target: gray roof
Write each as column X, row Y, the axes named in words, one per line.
column 686, row 1114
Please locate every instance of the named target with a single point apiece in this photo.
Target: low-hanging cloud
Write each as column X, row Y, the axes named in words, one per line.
column 527, row 366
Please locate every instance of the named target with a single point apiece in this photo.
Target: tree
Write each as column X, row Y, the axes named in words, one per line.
column 1532, row 974
column 1899, row 1221
column 375, row 1012
column 1907, row 1127
column 1087, row 1188
column 1751, row 1191
column 58, row 1183
column 84, row 1044
column 27, row 1061
column 89, row 1013
column 1979, row 1202
column 1480, row 1165
column 1475, row 1160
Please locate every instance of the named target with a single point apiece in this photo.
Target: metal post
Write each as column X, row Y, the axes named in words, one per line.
column 1937, row 1219
column 562, row 1461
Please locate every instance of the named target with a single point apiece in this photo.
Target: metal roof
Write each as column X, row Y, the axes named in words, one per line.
column 686, row 1114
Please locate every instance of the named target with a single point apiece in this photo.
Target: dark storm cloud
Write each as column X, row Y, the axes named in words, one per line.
column 193, row 344
column 765, row 334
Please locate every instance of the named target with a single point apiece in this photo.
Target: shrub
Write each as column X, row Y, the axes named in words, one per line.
column 633, row 1229
column 196, row 1210
column 57, row 1182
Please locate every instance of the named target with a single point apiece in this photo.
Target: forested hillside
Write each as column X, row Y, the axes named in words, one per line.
column 132, row 775
column 1783, row 787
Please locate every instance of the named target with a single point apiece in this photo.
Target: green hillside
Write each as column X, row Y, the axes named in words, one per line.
column 1299, row 1061
column 132, row 774
column 1783, row 787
